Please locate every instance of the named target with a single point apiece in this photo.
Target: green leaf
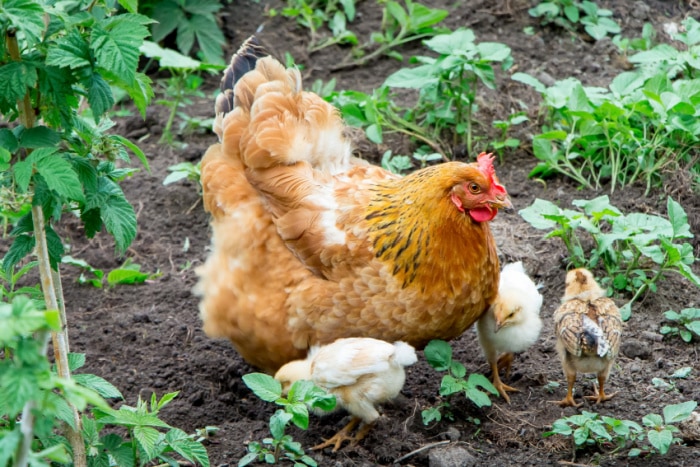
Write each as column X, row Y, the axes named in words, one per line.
column 278, row 422
column 100, row 96
column 264, row 386
column 71, row 51
column 15, row 78
column 661, row 440
column 529, row 80
column 126, row 276
column 168, row 58
column 129, row 5
column 398, row 13
column 439, row 354
column 454, row 43
column 678, row 412
column 115, row 42
column 147, row 438
column 21, row 247
column 119, row 219
column 98, row 384
column 39, row 137
column 75, row 361
column 534, row 214
column 412, row 78
column 374, row 133
column 60, row 177
column 26, row 16
column 140, row 91
column 300, row 415
column 451, row 385
column 679, row 219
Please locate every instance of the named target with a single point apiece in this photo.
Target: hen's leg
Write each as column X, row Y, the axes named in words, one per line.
column 506, row 361
column 600, row 395
column 342, row 435
column 568, row 401
column 501, row 387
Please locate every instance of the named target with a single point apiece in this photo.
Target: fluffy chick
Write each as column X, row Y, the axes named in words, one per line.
column 512, row 323
column 588, row 327
column 359, row 372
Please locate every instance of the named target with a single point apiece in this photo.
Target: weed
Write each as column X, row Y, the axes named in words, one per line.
column 476, row 387
column 686, row 324
column 396, row 163
column 500, row 145
column 8, row 285
column 315, row 14
column 569, row 14
column 184, row 171
column 302, row 396
column 127, row 273
column 448, row 85
column 588, row 429
column 636, row 249
column 192, row 21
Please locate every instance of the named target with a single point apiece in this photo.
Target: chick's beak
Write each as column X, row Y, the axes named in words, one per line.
column 498, row 326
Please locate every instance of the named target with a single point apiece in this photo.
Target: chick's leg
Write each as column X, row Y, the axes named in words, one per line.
column 600, row 395
column 506, row 361
column 500, row 386
column 343, row 435
column 568, row 401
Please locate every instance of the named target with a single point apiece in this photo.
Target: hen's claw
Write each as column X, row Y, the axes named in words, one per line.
column 344, row 435
column 599, row 394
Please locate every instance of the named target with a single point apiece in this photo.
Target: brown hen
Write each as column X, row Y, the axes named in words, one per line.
column 311, row 244
column 588, row 328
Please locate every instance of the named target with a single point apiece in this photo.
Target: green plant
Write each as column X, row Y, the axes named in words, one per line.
column 302, row 395
column 8, row 284
column 127, row 273
column 597, row 22
column 191, row 21
column 500, row 145
column 636, row 249
column 476, row 387
column 588, row 428
column 315, row 14
column 674, row 62
column 146, row 441
column 639, row 128
column 400, row 25
column 448, row 85
column 685, row 324
column 396, row 163
column 184, row 171
column 183, row 84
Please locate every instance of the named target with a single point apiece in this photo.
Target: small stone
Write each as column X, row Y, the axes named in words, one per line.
column 450, row 456
column 453, row 434
column 546, row 78
column 640, row 11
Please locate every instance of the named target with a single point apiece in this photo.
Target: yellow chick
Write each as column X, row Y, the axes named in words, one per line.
column 588, row 327
column 359, row 372
column 512, row 323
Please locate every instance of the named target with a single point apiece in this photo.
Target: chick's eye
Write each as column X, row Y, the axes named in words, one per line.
column 474, row 188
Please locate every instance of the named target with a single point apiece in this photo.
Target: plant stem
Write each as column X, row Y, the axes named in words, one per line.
column 48, row 286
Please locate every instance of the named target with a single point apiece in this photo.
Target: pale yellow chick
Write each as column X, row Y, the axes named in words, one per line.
column 512, row 323
column 359, row 372
column 588, row 327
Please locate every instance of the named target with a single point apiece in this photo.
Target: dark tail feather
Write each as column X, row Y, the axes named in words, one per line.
column 241, row 63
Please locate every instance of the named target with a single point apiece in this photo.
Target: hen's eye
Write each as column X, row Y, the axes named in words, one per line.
column 474, row 188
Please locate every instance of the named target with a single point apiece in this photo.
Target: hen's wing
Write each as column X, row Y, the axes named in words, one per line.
column 345, row 361
column 607, row 316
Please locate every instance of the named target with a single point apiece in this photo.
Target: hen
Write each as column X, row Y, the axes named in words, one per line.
column 512, row 323
column 359, row 372
column 311, row 244
column 588, row 329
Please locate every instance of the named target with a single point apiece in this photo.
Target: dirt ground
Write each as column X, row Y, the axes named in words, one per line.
column 148, row 338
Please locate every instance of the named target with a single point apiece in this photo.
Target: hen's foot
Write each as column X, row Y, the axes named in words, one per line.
column 503, row 389
column 505, row 361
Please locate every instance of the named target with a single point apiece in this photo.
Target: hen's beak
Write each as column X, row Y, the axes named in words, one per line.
column 501, row 202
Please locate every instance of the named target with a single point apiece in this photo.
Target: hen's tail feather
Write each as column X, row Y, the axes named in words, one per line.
column 595, row 337
column 243, row 61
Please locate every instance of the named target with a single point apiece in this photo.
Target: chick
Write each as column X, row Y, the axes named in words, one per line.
column 512, row 323
column 359, row 372
column 588, row 329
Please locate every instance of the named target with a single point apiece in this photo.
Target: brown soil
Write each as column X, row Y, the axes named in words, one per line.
column 148, row 338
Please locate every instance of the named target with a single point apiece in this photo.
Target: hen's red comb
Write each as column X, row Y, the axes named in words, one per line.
column 486, row 164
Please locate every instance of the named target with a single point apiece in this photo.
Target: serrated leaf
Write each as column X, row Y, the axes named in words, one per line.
column 169, row 15
column 115, row 42
column 98, row 384
column 119, row 219
column 264, row 386
column 21, row 247
column 76, row 360
column 100, row 96
column 130, row 5
column 26, row 16
column 60, row 177
column 147, row 438
column 209, row 37
column 8, row 444
column 71, row 51
column 15, row 78
column 39, row 137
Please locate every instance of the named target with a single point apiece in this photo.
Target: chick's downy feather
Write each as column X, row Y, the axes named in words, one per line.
column 588, row 328
column 311, row 244
column 359, row 372
column 512, row 324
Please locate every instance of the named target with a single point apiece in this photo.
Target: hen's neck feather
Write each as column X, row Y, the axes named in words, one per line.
column 428, row 243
